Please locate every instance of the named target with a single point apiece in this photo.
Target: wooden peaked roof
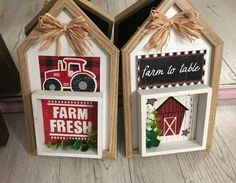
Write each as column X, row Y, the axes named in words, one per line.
column 217, row 53
column 99, row 17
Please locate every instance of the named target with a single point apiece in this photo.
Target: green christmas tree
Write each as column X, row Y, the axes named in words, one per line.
column 152, row 131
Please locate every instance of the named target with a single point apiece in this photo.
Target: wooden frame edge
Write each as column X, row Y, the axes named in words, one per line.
column 217, row 63
column 127, row 103
column 30, row 26
column 113, row 68
column 30, row 131
column 217, row 56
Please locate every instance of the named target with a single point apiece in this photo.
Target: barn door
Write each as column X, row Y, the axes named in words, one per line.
column 170, row 126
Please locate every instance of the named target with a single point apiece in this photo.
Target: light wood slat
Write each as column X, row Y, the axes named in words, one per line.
column 156, row 169
column 227, row 76
column 114, row 7
column 226, row 125
column 130, row 2
column 87, row 170
column 105, row 171
column 17, row 165
column 103, row 4
column 220, row 15
column 218, row 164
column 221, row 158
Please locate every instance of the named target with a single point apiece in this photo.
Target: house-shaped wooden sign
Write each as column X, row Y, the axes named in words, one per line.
column 69, row 76
column 171, row 68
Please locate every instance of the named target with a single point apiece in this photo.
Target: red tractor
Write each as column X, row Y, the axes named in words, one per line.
column 70, row 74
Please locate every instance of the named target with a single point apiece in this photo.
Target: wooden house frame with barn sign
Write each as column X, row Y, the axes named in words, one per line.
column 174, row 72
column 72, row 69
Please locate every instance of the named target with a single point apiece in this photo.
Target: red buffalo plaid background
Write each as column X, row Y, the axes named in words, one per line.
column 47, row 63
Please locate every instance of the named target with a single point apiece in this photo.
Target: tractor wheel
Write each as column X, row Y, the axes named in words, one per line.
column 52, row 84
column 83, row 82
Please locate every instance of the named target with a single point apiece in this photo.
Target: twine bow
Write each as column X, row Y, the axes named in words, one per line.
column 185, row 23
column 76, row 32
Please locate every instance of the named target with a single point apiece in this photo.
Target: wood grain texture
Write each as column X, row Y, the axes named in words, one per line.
column 227, row 76
column 214, row 165
column 19, row 166
column 115, row 7
column 103, row 20
column 156, row 169
column 215, row 11
column 113, row 75
column 221, row 158
column 18, row 14
column 100, row 171
column 217, row 56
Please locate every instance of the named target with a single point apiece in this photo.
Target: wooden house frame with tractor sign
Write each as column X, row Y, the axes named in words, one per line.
column 154, row 70
column 79, row 119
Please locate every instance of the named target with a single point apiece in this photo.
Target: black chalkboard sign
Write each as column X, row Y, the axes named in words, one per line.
column 170, row 69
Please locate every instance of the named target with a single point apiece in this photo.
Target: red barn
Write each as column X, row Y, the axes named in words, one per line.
column 171, row 114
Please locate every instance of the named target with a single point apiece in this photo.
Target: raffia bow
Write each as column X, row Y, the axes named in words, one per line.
column 76, row 32
column 185, row 23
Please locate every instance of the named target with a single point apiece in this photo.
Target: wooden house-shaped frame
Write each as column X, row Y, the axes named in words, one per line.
column 101, row 45
column 129, row 74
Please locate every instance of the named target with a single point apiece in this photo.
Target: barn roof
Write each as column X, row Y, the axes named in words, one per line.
column 180, row 107
column 98, row 16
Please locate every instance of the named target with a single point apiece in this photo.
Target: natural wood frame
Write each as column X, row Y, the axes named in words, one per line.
column 105, row 43
column 217, row 54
